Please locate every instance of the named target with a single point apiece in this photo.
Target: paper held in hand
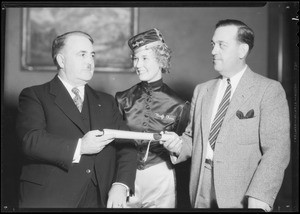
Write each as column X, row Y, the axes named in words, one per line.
column 119, row 134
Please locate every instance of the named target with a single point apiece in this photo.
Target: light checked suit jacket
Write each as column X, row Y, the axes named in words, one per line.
column 251, row 154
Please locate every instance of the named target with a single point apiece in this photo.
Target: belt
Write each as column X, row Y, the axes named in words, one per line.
column 209, row 161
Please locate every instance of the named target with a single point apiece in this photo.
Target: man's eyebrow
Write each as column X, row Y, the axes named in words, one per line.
column 82, row 51
column 219, row 41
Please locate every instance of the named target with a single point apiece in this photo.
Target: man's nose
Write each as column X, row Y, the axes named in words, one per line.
column 90, row 59
column 214, row 50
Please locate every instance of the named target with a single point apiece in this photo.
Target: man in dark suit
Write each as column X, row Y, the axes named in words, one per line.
column 68, row 162
column 238, row 137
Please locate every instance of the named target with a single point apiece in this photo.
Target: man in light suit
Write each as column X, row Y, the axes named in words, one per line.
column 68, row 163
column 237, row 160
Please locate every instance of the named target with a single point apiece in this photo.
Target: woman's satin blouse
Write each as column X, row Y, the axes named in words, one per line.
column 153, row 107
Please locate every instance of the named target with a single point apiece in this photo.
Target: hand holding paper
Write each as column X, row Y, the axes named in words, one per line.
column 173, row 143
column 92, row 144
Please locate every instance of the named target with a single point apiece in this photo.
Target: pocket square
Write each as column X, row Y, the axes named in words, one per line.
column 250, row 114
column 240, row 115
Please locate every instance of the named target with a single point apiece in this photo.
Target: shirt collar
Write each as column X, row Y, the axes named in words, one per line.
column 153, row 85
column 69, row 88
column 234, row 80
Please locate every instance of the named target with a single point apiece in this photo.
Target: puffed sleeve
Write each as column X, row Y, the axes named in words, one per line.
column 183, row 118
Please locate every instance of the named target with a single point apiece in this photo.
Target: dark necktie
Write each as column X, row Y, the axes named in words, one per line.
column 77, row 99
column 217, row 123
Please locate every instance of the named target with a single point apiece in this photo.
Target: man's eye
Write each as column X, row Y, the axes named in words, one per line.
column 222, row 45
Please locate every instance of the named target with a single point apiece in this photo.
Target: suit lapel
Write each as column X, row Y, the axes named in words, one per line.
column 208, row 102
column 64, row 101
column 243, row 92
column 203, row 112
column 96, row 106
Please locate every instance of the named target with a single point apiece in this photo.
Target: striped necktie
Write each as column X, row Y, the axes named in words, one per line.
column 77, row 99
column 217, row 123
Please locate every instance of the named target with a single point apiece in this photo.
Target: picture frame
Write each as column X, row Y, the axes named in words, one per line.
column 110, row 28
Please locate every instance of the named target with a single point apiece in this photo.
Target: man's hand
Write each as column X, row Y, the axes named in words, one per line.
column 117, row 196
column 93, row 142
column 173, row 144
column 254, row 203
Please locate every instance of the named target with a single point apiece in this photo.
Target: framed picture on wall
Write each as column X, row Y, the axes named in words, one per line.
column 110, row 28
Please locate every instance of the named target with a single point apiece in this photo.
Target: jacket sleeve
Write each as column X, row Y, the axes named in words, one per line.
column 119, row 103
column 187, row 135
column 126, row 154
column 183, row 118
column 274, row 135
column 37, row 143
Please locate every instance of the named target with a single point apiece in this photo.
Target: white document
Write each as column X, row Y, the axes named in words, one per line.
column 136, row 135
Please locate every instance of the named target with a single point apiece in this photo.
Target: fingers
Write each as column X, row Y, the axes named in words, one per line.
column 109, row 204
column 92, row 144
column 117, row 197
column 106, row 137
column 96, row 133
column 175, row 146
column 115, row 205
column 105, row 142
column 173, row 142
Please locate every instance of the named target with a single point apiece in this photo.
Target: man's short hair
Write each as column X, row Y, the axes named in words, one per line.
column 245, row 34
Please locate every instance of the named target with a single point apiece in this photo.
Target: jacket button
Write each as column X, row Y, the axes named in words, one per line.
column 88, row 171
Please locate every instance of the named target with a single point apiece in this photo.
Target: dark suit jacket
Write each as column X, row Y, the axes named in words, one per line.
column 49, row 126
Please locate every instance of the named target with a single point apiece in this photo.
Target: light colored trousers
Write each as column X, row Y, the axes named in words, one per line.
column 154, row 188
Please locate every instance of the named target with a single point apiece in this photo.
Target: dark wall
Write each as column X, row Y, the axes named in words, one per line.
column 187, row 31
column 283, row 65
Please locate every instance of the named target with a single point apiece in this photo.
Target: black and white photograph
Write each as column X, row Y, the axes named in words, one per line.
column 150, row 106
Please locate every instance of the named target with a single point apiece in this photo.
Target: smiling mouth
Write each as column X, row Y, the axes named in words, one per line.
column 141, row 72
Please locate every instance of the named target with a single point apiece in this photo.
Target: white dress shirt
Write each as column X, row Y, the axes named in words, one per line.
column 234, row 80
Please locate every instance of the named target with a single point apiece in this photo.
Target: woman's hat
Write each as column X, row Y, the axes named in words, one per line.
column 146, row 40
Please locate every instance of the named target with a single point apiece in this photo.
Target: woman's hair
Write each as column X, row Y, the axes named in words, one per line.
column 163, row 56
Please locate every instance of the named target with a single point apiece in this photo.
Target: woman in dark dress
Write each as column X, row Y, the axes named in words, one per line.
column 151, row 106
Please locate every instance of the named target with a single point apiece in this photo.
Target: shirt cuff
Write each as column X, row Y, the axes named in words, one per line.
column 260, row 204
column 124, row 185
column 77, row 155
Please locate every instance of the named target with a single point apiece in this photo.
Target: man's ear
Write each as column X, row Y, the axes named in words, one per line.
column 243, row 50
column 60, row 60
